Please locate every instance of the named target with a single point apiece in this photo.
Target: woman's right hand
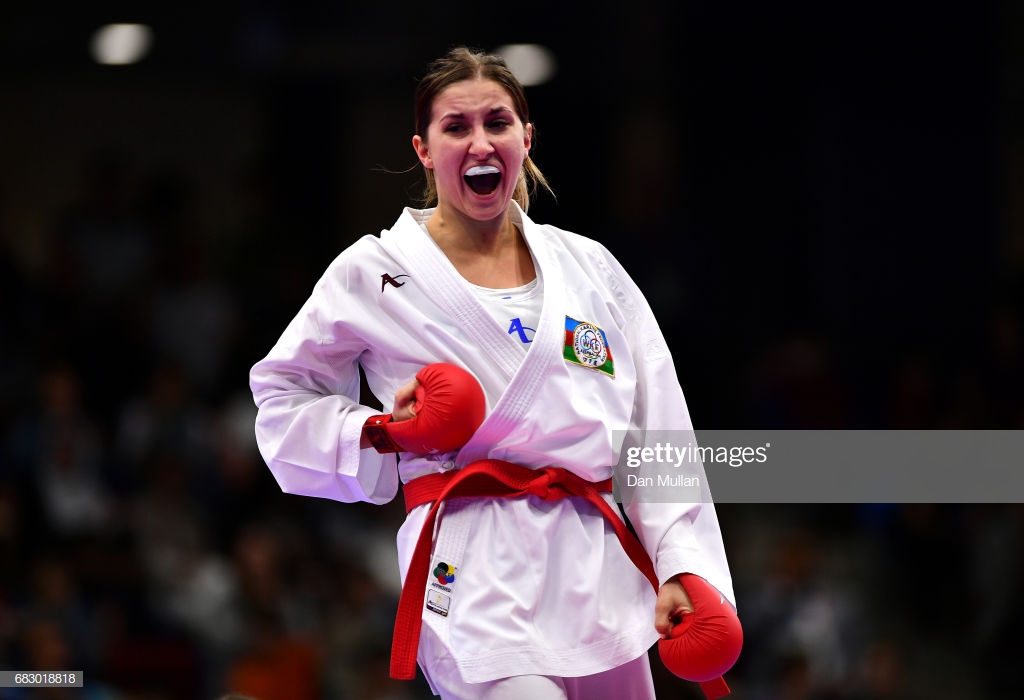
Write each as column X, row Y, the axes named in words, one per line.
column 437, row 412
column 405, row 402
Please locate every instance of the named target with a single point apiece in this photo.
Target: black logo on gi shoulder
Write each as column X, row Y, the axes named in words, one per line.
column 387, row 279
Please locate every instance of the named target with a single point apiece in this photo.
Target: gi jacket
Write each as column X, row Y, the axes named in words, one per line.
column 526, row 586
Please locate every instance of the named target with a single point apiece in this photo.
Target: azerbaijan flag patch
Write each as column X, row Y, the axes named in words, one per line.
column 587, row 345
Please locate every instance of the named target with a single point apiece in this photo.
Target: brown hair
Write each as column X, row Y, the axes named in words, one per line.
column 461, row 64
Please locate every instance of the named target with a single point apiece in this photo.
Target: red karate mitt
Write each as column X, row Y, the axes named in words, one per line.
column 706, row 643
column 450, row 406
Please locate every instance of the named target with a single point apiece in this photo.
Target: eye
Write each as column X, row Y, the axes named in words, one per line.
column 499, row 124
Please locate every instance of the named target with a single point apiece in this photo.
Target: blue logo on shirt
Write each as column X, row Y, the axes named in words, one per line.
column 518, row 327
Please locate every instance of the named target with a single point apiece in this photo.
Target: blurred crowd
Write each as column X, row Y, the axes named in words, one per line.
column 144, row 542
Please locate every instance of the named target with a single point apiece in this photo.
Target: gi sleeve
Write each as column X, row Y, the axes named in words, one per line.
column 309, row 420
column 679, row 537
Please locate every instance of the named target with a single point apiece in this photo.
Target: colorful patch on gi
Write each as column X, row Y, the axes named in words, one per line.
column 444, row 573
column 587, row 345
column 439, row 588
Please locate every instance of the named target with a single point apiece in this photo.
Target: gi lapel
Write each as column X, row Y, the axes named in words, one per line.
column 524, row 376
column 521, row 394
column 415, row 250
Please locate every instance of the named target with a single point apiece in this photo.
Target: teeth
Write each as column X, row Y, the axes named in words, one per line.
column 482, row 170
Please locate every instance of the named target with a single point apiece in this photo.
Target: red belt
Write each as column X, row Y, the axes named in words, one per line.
column 488, row 478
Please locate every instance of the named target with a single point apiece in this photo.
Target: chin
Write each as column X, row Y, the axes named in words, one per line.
column 487, row 210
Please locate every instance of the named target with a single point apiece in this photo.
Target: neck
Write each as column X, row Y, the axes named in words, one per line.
column 454, row 232
column 487, row 253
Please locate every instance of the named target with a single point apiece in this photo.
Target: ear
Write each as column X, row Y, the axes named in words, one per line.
column 422, row 152
column 528, row 137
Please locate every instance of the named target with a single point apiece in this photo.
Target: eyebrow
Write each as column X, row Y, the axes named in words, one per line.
column 491, row 112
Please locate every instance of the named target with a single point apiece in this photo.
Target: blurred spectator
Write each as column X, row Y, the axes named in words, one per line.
column 882, row 674
column 275, row 665
column 19, row 316
column 797, row 385
column 192, row 314
column 993, row 581
column 99, row 267
column 102, row 251
column 191, row 584
column 168, row 419
column 803, row 626
column 46, row 647
column 1003, row 369
column 912, row 401
column 59, row 445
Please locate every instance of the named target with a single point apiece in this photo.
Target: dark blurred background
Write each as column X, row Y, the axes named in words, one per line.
column 824, row 203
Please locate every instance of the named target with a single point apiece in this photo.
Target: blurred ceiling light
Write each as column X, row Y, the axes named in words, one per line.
column 121, row 44
column 532, row 64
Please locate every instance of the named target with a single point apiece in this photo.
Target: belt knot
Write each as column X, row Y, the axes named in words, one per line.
column 547, row 485
column 541, row 485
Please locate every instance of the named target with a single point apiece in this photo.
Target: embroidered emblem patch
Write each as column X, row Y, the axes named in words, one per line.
column 587, row 345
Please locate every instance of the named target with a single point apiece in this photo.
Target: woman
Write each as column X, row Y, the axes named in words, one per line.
column 536, row 596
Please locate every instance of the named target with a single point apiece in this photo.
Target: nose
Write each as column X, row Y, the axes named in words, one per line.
column 480, row 146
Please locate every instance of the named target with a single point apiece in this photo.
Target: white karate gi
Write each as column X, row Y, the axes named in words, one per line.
column 539, row 587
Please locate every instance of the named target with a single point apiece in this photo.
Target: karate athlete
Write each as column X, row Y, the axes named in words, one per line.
column 512, row 351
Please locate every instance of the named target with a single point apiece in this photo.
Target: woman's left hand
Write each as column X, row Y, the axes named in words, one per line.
column 673, row 603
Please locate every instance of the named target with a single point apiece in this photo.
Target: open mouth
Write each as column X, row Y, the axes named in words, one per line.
column 482, row 179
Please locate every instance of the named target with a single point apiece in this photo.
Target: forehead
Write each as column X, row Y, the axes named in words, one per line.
column 468, row 96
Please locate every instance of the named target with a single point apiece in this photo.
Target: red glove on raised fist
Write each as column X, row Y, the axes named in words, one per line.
column 450, row 406
column 707, row 642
